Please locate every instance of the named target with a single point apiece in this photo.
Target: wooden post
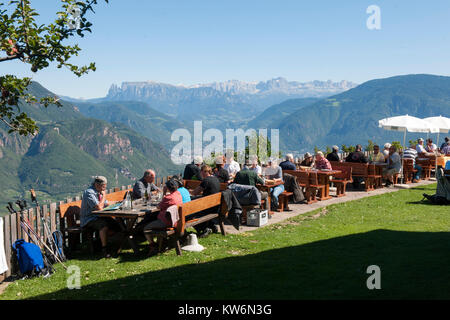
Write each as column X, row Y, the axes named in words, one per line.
column 38, row 222
column 31, row 218
column 53, row 216
column 46, row 214
column 14, row 236
column 7, row 243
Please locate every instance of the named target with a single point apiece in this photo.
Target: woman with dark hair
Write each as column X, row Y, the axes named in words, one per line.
column 430, row 147
column 182, row 190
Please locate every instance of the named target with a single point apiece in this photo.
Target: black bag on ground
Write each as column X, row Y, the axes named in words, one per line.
column 246, row 195
column 435, row 199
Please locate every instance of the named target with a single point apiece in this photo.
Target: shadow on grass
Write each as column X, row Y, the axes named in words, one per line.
column 427, row 203
column 414, row 265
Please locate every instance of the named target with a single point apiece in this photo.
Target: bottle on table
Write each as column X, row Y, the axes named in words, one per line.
column 146, row 197
column 127, row 202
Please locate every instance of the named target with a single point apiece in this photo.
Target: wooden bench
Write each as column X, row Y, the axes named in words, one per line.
column 174, row 235
column 70, row 220
column 427, row 164
column 375, row 176
column 283, row 201
column 303, row 180
column 408, row 170
column 317, row 189
column 192, row 184
column 340, row 180
column 360, row 170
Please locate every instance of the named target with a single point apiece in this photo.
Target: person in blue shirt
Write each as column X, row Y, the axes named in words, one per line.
column 288, row 164
column 182, row 190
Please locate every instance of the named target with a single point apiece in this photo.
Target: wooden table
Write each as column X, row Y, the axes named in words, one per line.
column 266, row 188
column 127, row 220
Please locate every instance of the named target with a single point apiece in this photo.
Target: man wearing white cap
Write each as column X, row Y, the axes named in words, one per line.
column 94, row 198
column 274, row 173
column 419, row 147
column 231, row 166
column 254, row 165
column 387, row 145
column 220, row 172
column 192, row 170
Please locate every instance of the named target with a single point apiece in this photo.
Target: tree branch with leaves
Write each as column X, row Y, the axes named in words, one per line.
column 23, row 40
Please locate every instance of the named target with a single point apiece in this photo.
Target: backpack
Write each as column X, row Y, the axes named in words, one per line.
column 58, row 241
column 435, row 199
column 246, row 195
column 29, row 257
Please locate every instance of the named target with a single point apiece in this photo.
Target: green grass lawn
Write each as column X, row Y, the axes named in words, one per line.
column 321, row 255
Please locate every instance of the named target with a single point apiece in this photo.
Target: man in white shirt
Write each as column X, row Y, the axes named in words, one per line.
column 231, row 166
column 393, row 167
column 386, row 150
column 254, row 165
column 419, row 147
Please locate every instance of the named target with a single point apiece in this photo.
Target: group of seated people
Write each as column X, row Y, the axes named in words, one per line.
column 174, row 193
column 388, row 156
column 94, row 199
column 227, row 170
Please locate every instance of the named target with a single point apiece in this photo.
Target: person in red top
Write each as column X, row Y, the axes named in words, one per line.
column 173, row 198
column 321, row 162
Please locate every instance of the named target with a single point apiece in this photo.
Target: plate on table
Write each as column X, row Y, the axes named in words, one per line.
column 112, row 207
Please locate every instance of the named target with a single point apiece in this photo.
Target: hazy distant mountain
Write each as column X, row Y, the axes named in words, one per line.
column 236, row 87
column 221, row 104
column 279, row 85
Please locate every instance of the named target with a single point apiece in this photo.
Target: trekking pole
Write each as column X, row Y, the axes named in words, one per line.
column 40, row 241
column 27, row 229
column 24, row 223
column 47, row 230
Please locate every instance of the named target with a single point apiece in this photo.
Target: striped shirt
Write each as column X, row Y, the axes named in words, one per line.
column 410, row 153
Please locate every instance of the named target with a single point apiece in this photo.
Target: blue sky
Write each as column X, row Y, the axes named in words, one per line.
column 204, row 41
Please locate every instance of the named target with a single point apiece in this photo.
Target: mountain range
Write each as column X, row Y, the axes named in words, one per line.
column 220, row 104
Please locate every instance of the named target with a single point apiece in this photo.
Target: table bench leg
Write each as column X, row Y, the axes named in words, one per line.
column 126, row 229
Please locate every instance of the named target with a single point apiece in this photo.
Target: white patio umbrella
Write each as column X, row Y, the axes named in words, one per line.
column 406, row 124
column 442, row 123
